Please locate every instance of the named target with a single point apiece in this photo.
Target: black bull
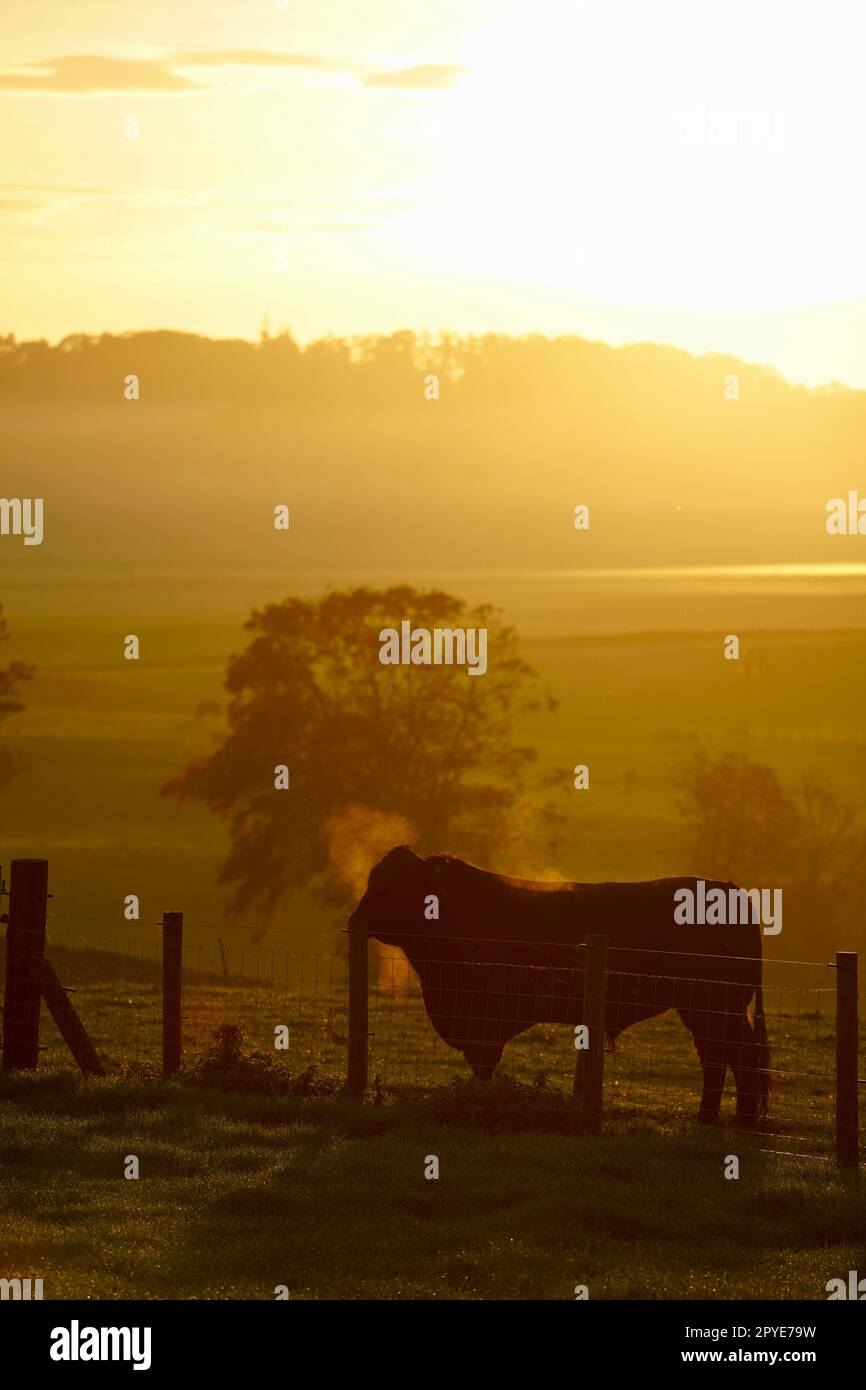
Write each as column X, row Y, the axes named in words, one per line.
column 505, row 953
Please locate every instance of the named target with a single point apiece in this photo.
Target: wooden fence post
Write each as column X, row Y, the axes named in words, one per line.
column 172, row 978
column 589, row 1070
column 358, row 1010
column 847, row 1137
column 25, row 943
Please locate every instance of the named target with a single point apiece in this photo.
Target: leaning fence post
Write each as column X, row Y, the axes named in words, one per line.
column 589, row 1071
column 172, row 974
column 358, row 1010
column 847, row 1138
column 69, row 1025
column 25, row 942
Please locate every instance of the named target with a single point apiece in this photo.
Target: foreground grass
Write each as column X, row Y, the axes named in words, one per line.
column 239, row 1193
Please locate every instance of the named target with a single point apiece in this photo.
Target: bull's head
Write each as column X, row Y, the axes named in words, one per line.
column 392, row 909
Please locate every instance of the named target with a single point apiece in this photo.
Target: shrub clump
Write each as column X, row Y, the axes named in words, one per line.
column 501, row 1104
column 224, row 1065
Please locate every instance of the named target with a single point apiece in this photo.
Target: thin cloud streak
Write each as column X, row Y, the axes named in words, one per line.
column 254, row 58
column 90, row 74
column 426, row 77
column 84, row 74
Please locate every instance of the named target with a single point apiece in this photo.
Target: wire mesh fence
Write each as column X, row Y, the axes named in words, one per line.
column 117, row 988
column 652, row 1069
column 652, row 1072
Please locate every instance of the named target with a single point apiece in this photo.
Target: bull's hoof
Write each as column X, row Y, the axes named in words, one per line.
column 709, row 1117
column 746, row 1121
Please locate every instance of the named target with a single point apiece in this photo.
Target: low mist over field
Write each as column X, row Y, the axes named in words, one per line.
column 682, row 460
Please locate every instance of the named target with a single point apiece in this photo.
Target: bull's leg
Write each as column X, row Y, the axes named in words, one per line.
column 711, row 1052
column 743, row 1057
column 483, row 1057
column 712, row 1057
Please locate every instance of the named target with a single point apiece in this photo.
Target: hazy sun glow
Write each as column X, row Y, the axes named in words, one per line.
column 676, row 172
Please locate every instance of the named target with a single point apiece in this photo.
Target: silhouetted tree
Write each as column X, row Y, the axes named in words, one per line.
column 11, row 678
column 740, row 821
column 376, row 754
column 742, row 824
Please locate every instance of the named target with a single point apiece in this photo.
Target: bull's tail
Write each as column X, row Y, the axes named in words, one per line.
column 762, row 1043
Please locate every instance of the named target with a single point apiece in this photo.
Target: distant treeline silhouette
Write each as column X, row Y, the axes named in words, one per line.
column 679, row 459
column 187, row 367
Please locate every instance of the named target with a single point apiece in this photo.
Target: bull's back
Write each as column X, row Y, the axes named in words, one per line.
column 514, row 919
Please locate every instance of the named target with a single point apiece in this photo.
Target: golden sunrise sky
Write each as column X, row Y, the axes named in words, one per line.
column 681, row 171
